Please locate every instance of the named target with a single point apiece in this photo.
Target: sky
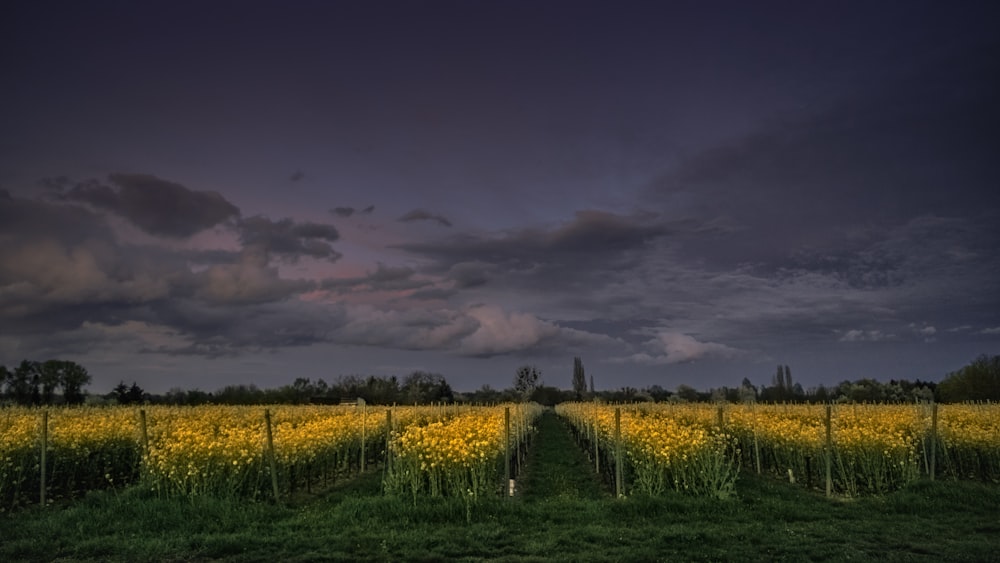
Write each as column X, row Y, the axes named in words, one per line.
column 200, row 194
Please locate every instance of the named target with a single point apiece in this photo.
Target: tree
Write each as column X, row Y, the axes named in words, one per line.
column 579, row 379
column 50, row 375
column 74, row 378
column 19, row 384
column 686, row 393
column 978, row 381
column 5, row 377
column 526, row 380
column 747, row 392
column 134, row 395
column 421, row 387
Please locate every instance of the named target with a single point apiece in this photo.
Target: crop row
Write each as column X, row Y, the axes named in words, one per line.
column 217, row 450
column 462, row 456
column 865, row 448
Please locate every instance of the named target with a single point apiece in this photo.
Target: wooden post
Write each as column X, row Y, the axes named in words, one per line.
column 756, row 445
column 829, row 453
column 618, row 453
column 273, row 463
column 720, row 420
column 506, row 447
column 45, row 446
column 934, row 435
column 388, row 441
column 144, row 433
column 364, row 420
column 597, row 451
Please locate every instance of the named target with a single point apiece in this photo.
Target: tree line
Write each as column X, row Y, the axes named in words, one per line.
column 44, row 383
column 61, row 382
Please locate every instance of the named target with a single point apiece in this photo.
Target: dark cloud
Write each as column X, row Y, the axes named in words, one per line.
column 348, row 211
column 64, row 276
column 156, row 206
column 384, row 278
column 915, row 146
column 296, row 176
column 576, row 258
column 290, row 239
column 470, row 274
column 433, row 293
column 421, row 215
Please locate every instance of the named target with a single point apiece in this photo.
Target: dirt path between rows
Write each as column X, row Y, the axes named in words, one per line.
column 556, row 467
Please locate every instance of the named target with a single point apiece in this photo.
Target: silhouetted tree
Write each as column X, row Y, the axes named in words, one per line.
column 526, row 378
column 74, row 378
column 579, row 379
column 421, row 388
column 978, row 381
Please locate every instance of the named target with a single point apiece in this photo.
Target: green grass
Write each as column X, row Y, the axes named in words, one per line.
column 563, row 512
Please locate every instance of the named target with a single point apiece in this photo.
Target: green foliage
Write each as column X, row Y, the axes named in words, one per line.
column 767, row 521
column 978, row 381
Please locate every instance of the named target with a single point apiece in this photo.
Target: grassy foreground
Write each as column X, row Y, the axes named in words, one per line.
column 562, row 513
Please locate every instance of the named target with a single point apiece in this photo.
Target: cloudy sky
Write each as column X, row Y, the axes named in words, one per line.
column 197, row 194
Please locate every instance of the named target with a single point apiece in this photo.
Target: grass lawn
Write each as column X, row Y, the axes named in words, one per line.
column 562, row 512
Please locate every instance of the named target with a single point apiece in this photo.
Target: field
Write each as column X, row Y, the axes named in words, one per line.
column 438, row 493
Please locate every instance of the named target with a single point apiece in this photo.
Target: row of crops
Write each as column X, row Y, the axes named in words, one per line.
column 252, row 452
column 851, row 449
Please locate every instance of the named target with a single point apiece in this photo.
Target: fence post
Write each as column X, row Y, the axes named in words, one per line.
column 756, row 445
column 45, row 446
column 364, row 420
column 388, row 442
column 506, row 450
column 270, row 454
column 597, row 451
column 829, row 453
column 618, row 453
column 144, row 432
column 934, row 435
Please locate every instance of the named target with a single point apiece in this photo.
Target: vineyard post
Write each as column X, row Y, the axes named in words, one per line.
column 45, row 445
column 364, row 420
column 756, row 445
column 597, row 452
column 144, row 433
column 388, row 442
column 934, row 435
column 270, row 454
column 720, row 418
column 829, row 453
column 618, row 452
column 506, row 447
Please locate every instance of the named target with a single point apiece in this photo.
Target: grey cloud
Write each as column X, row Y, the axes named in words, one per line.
column 156, row 206
column 348, row 211
column 296, row 176
column 421, row 215
column 908, row 148
column 433, row 293
column 288, row 238
column 384, row 278
column 592, row 236
column 470, row 274
column 251, row 280
column 62, row 270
